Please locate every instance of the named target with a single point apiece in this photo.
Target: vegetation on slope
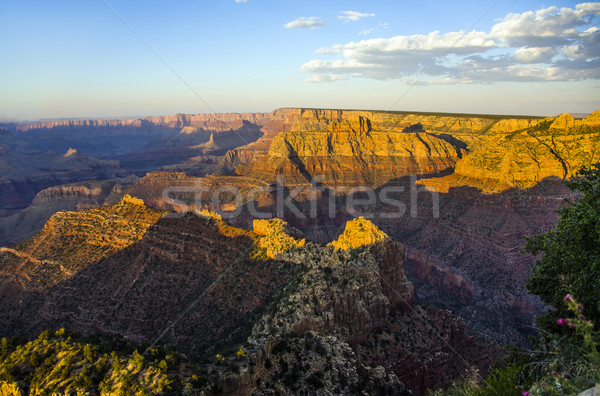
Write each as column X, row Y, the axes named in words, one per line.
column 275, row 236
column 76, row 239
column 64, row 363
column 358, row 232
column 566, row 354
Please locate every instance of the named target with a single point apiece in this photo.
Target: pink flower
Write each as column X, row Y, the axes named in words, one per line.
column 561, row 321
column 571, row 324
column 579, row 307
column 564, row 374
column 554, row 374
column 581, row 317
column 525, row 393
column 568, row 297
column 543, row 384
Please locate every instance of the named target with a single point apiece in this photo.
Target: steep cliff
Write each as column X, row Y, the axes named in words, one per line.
column 352, row 153
column 556, row 147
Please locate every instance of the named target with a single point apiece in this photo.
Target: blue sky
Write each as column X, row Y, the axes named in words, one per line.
column 80, row 59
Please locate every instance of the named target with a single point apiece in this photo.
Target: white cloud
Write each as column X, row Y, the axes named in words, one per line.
column 548, row 26
column 354, row 15
column 380, row 28
column 535, row 54
column 242, row 1
column 305, row 23
column 550, row 44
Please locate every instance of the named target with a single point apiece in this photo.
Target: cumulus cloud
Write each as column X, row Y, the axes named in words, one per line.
column 305, row 23
column 550, row 44
column 354, row 15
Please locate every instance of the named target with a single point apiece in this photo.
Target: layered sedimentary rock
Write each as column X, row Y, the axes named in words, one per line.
column 208, row 121
column 89, row 194
column 25, row 174
column 556, row 147
column 352, row 153
column 189, row 281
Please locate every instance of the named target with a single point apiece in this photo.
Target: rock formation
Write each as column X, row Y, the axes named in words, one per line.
column 318, row 316
column 89, row 194
column 348, row 156
column 25, row 174
column 276, row 236
column 556, row 147
column 358, row 232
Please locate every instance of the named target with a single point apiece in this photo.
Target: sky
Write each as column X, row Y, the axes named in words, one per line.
column 123, row 58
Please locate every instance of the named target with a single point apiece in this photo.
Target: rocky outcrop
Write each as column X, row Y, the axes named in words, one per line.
column 360, row 297
column 358, row 232
column 276, row 237
column 316, row 317
column 77, row 239
column 187, row 263
column 557, row 147
column 90, row 194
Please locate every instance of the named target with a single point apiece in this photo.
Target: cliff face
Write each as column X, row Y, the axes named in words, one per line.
column 351, row 153
column 357, row 298
column 207, row 121
column 556, row 147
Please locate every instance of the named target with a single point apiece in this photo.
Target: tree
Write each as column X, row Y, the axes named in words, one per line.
column 570, row 261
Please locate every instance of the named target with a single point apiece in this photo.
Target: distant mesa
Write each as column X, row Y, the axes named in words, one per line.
column 358, row 232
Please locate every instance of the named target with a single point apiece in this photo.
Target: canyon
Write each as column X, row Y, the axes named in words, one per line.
column 395, row 283
column 352, row 296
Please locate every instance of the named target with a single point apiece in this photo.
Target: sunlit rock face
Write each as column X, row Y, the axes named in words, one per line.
column 276, row 236
column 352, row 153
column 358, row 232
column 555, row 147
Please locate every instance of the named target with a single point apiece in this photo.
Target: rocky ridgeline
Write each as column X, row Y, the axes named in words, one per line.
column 181, row 121
column 555, row 147
column 318, row 317
column 77, row 239
column 82, row 195
column 347, row 324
